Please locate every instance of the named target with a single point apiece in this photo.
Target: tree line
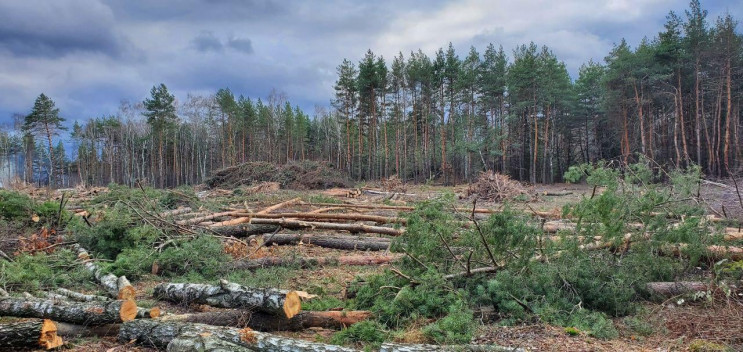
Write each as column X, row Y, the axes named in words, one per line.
column 674, row 100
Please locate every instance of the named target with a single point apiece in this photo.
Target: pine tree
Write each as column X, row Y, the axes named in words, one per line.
column 160, row 112
column 44, row 120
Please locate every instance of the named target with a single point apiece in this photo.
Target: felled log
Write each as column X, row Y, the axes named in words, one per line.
column 75, row 331
column 383, row 193
column 353, row 228
column 733, row 234
column 241, row 219
column 266, row 322
column 280, row 205
column 92, row 313
column 556, row 194
column 400, row 347
column 670, row 289
column 483, row 270
column 330, row 241
column 230, row 295
column 194, row 221
column 116, row 287
column 321, row 216
column 305, row 262
column 545, row 214
column 37, row 333
column 244, row 230
column 557, row 226
column 342, row 192
column 148, row 313
column 159, row 334
column 175, row 212
column 712, row 253
column 202, row 341
column 80, row 297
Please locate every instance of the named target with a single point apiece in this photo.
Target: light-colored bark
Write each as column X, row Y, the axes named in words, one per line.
column 267, row 322
column 160, row 333
column 116, row 287
column 230, row 295
column 93, row 313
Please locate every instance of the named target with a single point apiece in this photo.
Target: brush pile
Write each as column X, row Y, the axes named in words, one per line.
column 302, row 175
column 394, row 184
column 495, row 187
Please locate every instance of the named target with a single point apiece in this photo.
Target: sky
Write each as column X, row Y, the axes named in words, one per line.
column 89, row 55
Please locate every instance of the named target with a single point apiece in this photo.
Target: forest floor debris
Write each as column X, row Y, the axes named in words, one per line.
column 310, row 261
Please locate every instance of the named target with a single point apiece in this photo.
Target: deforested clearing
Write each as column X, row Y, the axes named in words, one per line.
column 609, row 262
column 354, row 176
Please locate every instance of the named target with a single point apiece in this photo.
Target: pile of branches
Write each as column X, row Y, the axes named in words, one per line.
column 294, row 175
column 495, row 187
column 393, row 184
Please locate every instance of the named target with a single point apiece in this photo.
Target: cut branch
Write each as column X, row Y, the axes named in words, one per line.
column 194, row 221
column 280, row 205
column 80, row 297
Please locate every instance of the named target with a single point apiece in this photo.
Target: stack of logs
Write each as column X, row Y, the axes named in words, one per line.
column 69, row 313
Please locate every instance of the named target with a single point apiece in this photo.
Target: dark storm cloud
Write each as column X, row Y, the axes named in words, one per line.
column 56, row 28
column 241, row 44
column 206, row 41
column 76, row 51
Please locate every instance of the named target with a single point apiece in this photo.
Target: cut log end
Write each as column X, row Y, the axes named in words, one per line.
column 48, row 338
column 128, row 310
column 155, row 312
column 127, row 293
column 292, row 304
